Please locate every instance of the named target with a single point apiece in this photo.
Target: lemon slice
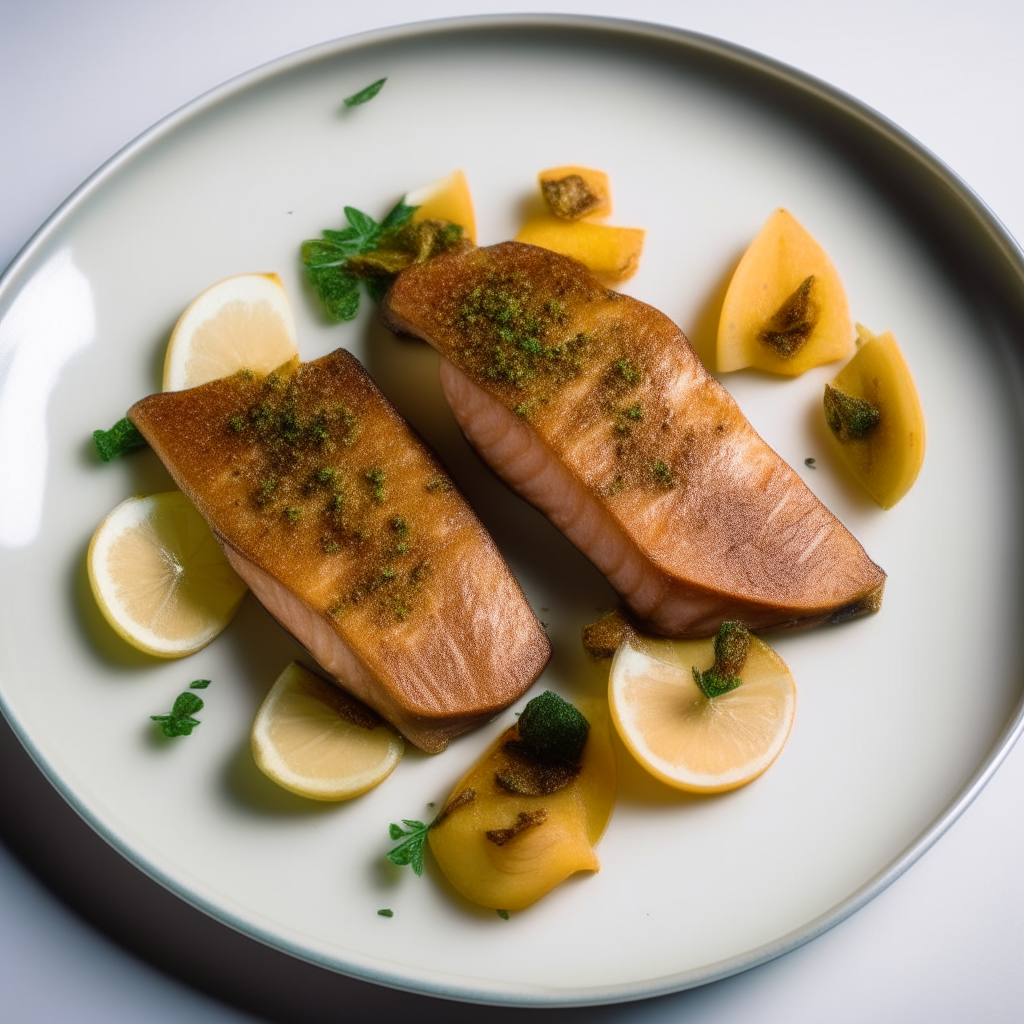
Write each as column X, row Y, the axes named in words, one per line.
column 160, row 577
column 245, row 322
column 315, row 740
column 693, row 742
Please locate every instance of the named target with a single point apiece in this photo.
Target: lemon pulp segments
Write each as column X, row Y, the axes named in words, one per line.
column 160, row 577
column 315, row 740
column 243, row 322
column 686, row 739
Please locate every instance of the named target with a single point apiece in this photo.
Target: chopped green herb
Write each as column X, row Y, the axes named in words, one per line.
column 180, row 721
column 849, row 418
column 293, row 515
column 375, row 477
column 811, row 463
column 365, row 95
column 123, row 437
column 503, row 914
column 731, row 646
column 438, row 484
column 385, row 913
column 663, row 474
column 199, row 684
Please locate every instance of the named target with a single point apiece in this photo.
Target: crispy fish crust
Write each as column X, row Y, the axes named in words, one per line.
column 594, row 407
column 349, row 531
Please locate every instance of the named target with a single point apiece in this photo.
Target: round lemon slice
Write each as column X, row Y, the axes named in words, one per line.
column 244, row 322
column 160, row 577
column 314, row 739
column 693, row 742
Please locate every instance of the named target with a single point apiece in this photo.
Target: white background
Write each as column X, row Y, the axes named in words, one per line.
column 83, row 936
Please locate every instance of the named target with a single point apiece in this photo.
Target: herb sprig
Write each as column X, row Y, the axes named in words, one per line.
column 411, row 851
column 327, row 259
column 365, row 95
column 180, row 721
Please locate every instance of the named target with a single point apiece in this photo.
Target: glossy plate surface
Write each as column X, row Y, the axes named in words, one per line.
column 901, row 717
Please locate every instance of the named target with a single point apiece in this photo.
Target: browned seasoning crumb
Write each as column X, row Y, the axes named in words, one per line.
column 524, row 820
column 570, row 197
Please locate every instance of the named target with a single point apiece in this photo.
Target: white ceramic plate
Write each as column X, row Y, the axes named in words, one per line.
column 901, row 716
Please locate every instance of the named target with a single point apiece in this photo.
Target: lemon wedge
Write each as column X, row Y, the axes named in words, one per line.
column 159, row 576
column 244, row 322
column 687, row 739
column 314, row 739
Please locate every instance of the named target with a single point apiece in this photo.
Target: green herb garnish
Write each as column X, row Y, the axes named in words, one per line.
column 503, row 914
column 180, row 721
column 411, row 851
column 199, row 684
column 811, row 463
column 327, row 259
column 415, row 833
column 123, row 437
column 365, row 95
column 385, row 913
column 731, row 646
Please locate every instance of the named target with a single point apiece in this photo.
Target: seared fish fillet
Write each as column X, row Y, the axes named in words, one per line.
column 350, row 532
column 594, row 407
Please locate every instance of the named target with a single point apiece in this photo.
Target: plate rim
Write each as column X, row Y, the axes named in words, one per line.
column 449, row 986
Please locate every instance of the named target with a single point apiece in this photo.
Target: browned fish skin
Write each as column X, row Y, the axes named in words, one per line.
column 348, row 530
column 594, row 407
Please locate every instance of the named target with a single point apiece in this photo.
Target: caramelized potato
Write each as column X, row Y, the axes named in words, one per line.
column 874, row 414
column 785, row 310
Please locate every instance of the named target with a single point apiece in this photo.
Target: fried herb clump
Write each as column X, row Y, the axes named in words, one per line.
column 570, row 197
column 849, row 418
column 731, row 647
column 551, row 728
column 789, row 327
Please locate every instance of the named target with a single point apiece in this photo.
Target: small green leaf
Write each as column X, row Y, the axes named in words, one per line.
column 187, row 704
column 362, row 223
column 199, row 684
column 121, row 438
column 365, row 95
column 395, row 831
column 398, row 216
column 385, row 913
column 503, row 914
column 175, row 725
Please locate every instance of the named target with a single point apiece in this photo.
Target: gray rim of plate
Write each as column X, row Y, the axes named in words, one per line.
column 967, row 235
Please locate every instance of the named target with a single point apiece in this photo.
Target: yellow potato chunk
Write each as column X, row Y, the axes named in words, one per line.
column 875, row 417
column 445, row 199
column 785, row 310
column 611, row 253
column 574, row 192
column 505, row 850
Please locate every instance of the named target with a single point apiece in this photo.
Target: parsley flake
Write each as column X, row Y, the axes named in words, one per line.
column 503, row 914
column 411, row 851
column 365, row 95
column 385, row 913
column 199, row 684
column 811, row 463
